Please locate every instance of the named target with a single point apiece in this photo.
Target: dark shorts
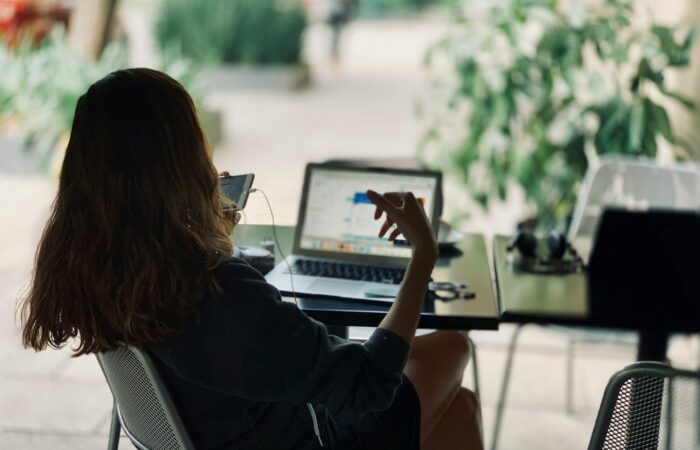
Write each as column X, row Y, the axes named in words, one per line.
column 395, row 428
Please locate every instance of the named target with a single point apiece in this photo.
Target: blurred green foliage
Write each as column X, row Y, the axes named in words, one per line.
column 40, row 86
column 384, row 8
column 537, row 88
column 233, row 31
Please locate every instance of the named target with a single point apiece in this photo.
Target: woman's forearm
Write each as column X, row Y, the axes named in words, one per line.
column 403, row 316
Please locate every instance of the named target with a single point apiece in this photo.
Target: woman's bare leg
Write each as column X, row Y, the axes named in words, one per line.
column 459, row 428
column 435, row 367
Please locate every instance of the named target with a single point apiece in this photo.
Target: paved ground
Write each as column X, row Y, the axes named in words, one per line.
column 361, row 108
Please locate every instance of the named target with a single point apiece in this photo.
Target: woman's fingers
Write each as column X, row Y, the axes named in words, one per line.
column 382, row 203
column 406, row 212
column 393, row 204
column 395, row 198
column 394, row 234
column 401, row 210
column 388, row 223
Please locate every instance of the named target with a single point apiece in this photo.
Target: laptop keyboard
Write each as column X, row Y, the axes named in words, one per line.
column 348, row 271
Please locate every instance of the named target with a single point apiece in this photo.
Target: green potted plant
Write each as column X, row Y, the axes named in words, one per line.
column 387, row 8
column 526, row 92
column 40, row 86
column 243, row 43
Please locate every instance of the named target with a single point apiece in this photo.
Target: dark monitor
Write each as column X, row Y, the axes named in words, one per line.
column 644, row 272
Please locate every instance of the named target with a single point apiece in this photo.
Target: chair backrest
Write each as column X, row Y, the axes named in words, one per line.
column 633, row 184
column 647, row 406
column 145, row 409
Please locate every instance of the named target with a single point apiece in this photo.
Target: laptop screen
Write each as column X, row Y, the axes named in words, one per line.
column 339, row 218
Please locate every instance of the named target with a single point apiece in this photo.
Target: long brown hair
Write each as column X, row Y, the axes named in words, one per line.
column 136, row 228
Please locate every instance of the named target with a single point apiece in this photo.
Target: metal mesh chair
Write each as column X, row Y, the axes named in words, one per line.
column 636, row 400
column 142, row 405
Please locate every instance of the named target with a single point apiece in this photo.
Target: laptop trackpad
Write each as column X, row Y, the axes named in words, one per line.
column 336, row 287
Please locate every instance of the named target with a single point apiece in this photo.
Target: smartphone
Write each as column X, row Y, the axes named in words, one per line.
column 236, row 188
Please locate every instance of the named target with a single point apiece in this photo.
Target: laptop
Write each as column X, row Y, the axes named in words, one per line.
column 337, row 252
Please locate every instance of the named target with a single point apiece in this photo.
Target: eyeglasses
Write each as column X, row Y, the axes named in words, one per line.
column 449, row 290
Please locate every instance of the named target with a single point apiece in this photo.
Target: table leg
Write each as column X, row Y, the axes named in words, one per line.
column 697, row 407
column 500, row 406
column 645, row 415
column 114, row 429
column 652, row 345
column 669, row 416
column 477, row 388
column 570, row 375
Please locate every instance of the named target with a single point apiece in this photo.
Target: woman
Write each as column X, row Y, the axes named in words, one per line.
column 137, row 251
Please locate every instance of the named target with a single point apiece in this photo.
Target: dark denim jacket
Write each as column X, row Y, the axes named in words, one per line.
column 242, row 377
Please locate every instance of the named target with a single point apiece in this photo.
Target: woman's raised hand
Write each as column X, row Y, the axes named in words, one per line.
column 406, row 212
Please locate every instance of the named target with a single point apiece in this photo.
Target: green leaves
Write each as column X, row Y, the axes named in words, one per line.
column 592, row 86
column 636, row 127
column 658, row 119
column 632, row 129
column 40, row 86
column 234, row 31
column 683, row 100
column 678, row 53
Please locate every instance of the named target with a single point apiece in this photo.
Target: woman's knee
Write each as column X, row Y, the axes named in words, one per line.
column 442, row 353
column 470, row 405
column 456, row 346
column 469, row 399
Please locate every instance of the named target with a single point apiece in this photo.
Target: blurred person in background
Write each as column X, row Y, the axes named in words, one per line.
column 339, row 14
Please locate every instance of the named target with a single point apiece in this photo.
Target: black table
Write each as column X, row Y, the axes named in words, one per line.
column 565, row 300
column 561, row 300
column 467, row 263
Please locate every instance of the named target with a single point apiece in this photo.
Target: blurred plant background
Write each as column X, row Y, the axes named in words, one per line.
column 529, row 92
column 382, row 8
column 517, row 98
column 46, row 68
column 236, row 31
column 40, row 84
column 524, row 93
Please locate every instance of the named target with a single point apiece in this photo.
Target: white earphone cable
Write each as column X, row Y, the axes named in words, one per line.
column 312, row 412
column 277, row 244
